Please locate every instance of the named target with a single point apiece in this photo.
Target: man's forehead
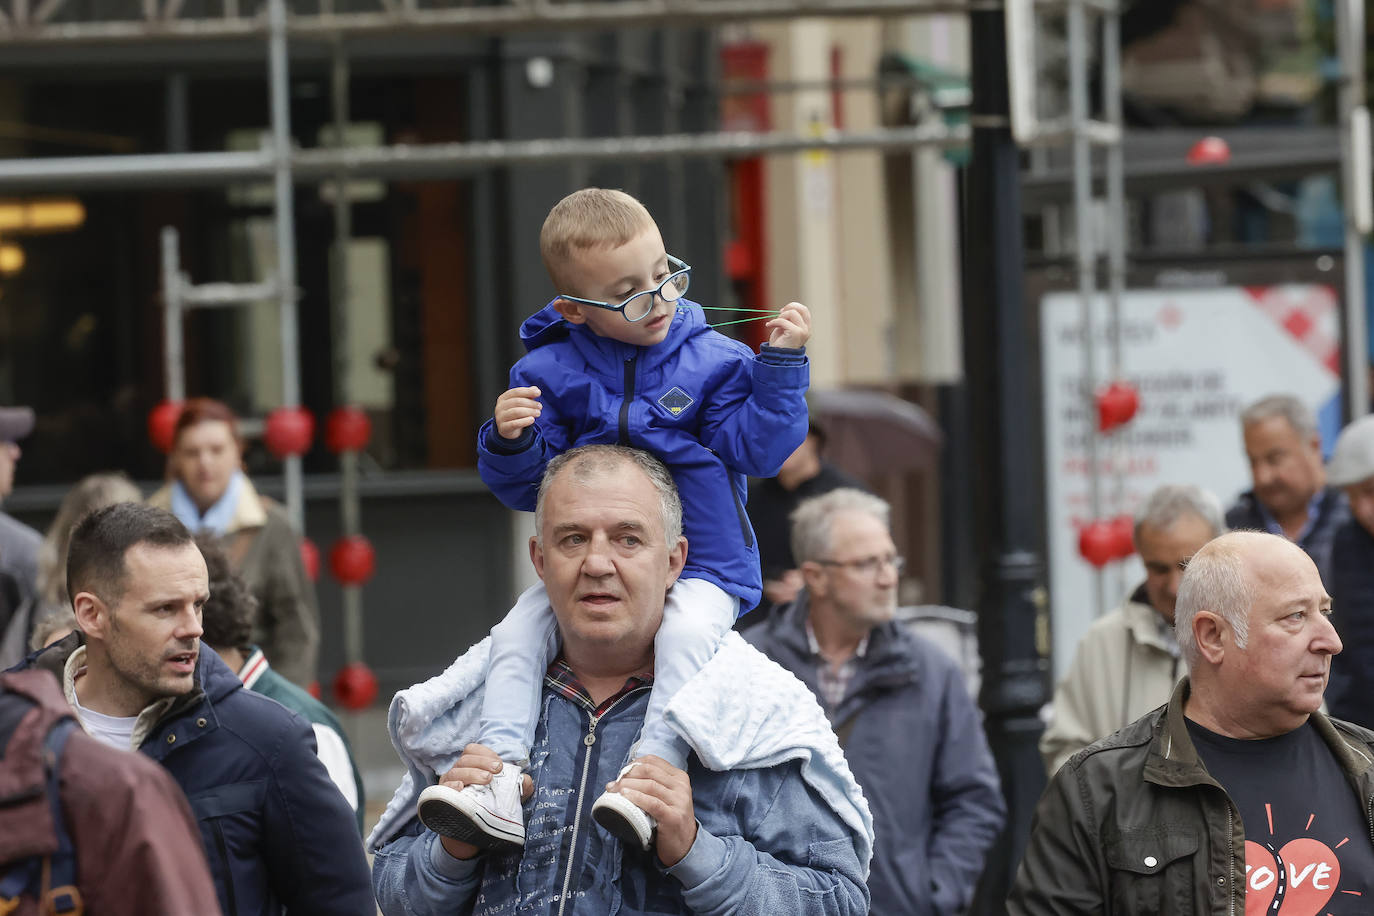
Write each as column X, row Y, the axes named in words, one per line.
column 602, row 498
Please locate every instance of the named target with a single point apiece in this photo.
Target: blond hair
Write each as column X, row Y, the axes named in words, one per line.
column 589, row 218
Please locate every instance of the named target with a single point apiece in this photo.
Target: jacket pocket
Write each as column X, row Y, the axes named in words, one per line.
column 1150, row 869
column 230, row 818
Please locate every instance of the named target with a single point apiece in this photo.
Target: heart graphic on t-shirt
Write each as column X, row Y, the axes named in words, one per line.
column 1262, row 879
column 1313, row 873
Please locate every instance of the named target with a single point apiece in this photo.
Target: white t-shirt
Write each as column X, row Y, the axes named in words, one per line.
column 116, row 731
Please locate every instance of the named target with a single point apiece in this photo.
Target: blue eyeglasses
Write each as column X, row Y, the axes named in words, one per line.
column 673, row 288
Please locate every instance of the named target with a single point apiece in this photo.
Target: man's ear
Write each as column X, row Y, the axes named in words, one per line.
column 92, row 616
column 572, row 312
column 812, row 575
column 537, row 557
column 1210, row 632
column 677, row 558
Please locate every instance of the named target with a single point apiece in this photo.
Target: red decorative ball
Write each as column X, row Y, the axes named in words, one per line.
column 347, row 430
column 1123, row 536
column 355, row 686
column 352, row 559
column 314, row 690
column 288, row 431
column 1097, row 543
column 162, row 421
column 1116, row 405
column 310, row 559
column 1209, row 151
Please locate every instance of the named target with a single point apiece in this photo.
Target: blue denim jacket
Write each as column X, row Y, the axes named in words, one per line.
column 766, row 844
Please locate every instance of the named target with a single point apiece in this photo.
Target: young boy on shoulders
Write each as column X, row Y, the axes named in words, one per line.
column 621, row 357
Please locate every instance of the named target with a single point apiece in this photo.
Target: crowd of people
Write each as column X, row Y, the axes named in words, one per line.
column 621, row 743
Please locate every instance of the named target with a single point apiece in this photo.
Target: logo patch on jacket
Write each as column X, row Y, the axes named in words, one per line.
column 676, row 400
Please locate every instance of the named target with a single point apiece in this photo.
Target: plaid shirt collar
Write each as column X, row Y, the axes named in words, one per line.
column 833, row 679
column 560, row 677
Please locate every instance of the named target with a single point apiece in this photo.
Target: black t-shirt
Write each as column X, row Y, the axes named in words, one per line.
column 1307, row 848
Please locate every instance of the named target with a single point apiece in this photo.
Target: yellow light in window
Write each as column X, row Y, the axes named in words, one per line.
column 50, row 215
column 11, row 259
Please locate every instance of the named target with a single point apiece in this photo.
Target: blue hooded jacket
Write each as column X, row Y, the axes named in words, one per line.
column 277, row 832
column 713, row 411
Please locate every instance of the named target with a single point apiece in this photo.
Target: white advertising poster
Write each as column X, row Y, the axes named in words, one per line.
column 1197, row 358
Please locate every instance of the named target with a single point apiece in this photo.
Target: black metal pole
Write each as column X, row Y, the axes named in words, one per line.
column 999, row 362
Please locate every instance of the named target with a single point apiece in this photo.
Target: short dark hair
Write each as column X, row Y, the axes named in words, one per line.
column 228, row 616
column 95, row 558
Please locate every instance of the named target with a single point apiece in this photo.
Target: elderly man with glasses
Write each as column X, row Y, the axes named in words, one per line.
column 910, row 730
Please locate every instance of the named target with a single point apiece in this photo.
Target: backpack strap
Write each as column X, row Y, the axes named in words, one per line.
column 51, row 880
column 60, row 896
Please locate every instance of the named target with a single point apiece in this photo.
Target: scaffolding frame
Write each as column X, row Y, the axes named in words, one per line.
column 54, row 22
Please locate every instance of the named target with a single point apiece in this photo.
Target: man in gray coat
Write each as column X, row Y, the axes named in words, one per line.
column 909, row 728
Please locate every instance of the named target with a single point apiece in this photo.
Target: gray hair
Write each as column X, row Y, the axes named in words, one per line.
column 813, row 521
column 50, row 622
column 95, row 491
column 1171, row 502
column 1298, row 414
column 1217, row 580
column 588, row 460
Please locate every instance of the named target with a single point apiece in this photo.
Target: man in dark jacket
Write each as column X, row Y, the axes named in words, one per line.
column 1238, row 796
column 132, row 835
column 277, row 833
column 1351, row 694
column 805, row 474
column 899, row 705
column 1290, row 495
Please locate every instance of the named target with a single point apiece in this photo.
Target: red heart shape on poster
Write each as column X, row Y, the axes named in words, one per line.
column 1313, row 872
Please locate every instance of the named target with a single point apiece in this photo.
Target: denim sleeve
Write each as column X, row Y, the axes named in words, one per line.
column 414, row 875
column 798, row 857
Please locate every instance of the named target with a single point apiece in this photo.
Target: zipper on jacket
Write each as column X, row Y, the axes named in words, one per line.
column 743, row 516
column 228, row 868
column 1231, row 857
column 588, row 740
column 629, row 396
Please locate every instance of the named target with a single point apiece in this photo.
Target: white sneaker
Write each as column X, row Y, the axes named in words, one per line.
column 623, row 819
column 487, row 816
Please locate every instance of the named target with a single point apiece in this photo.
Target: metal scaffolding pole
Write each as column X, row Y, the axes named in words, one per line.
column 520, row 15
column 173, row 340
column 350, row 509
column 1086, row 260
column 437, row 160
column 1359, row 210
column 286, row 244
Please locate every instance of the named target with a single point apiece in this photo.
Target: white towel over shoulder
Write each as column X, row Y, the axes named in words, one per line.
column 740, row 711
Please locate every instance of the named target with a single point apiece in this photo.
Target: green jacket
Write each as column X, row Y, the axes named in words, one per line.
column 1133, row 824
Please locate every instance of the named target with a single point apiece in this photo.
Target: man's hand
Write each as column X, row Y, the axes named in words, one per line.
column 474, row 768
column 663, row 792
column 516, row 409
column 786, row 589
column 792, row 327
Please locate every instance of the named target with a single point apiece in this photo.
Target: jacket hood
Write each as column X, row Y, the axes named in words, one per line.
column 546, row 326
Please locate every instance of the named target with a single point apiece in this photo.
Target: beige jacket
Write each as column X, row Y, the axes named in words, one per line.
column 265, row 550
column 1123, row 668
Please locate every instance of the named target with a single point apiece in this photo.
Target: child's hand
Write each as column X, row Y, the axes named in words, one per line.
column 516, row 409
column 792, row 327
